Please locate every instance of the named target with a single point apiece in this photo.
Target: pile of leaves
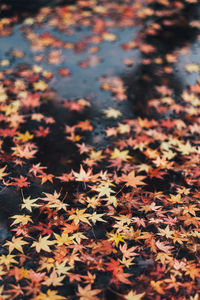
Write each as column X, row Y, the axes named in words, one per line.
column 115, row 219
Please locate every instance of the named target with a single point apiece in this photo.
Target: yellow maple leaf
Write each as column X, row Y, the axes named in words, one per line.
column 80, row 215
column 23, row 219
column 40, row 85
column 53, row 279
column 116, row 237
column 16, row 243
column 43, row 244
column 82, row 175
column 175, row 198
column 104, row 189
column 133, row 296
column 123, row 155
column 96, row 217
column 50, row 295
column 165, row 232
column 25, row 136
column 157, row 286
column 112, row 113
column 192, row 68
column 107, row 36
column 29, row 203
column 63, row 239
column 86, row 293
column 8, row 260
column 2, row 173
column 96, row 155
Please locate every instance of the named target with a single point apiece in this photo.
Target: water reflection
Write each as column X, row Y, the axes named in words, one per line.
column 24, row 8
column 165, row 32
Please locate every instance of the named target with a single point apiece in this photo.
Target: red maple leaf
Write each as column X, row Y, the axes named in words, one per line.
column 20, row 182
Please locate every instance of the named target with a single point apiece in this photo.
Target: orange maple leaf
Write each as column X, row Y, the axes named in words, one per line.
column 132, row 180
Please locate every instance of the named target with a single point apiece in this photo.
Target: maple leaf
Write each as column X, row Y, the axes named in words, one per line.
column 43, row 244
column 82, row 175
column 62, row 268
column 104, row 189
column 132, row 180
column 164, row 258
column 16, row 291
column 185, row 149
column 116, row 237
column 112, row 113
column 89, row 278
column 69, row 228
column 2, row 273
column 128, row 252
column 46, row 177
column 156, row 173
column 80, row 216
column 31, row 100
column 29, row 203
column 40, row 86
column 74, row 277
column 44, row 228
column 41, row 132
column 53, row 279
column 123, row 128
column 64, row 72
column 2, row 295
column 163, row 246
column 157, row 286
column 133, row 296
column 16, row 243
column 192, row 67
column 165, row 232
column 23, row 219
column 25, row 136
column 84, row 125
column 8, row 260
column 127, row 262
column 2, row 173
column 35, row 169
column 96, row 217
column 65, row 177
column 114, row 266
column 122, row 277
column 63, row 239
column 36, row 277
column 173, row 283
column 20, row 182
column 83, row 148
column 78, row 236
column 96, row 155
column 26, row 151
column 19, row 273
column 175, row 198
column 7, row 132
column 193, row 271
column 146, row 48
column 123, row 155
column 73, row 105
column 111, row 131
column 50, row 295
column 52, row 198
column 108, row 36
column 87, row 293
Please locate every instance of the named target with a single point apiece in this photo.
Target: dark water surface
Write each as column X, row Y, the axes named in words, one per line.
column 138, row 79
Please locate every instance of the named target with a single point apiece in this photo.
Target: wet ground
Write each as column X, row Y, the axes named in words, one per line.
column 64, row 63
